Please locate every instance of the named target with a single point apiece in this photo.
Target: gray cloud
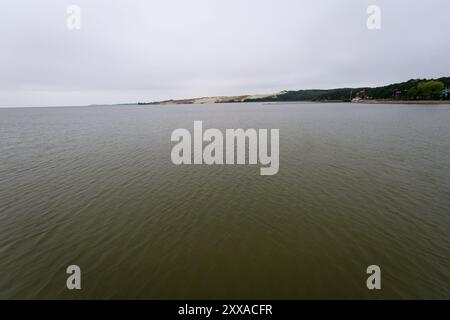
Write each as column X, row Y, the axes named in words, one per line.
column 129, row 51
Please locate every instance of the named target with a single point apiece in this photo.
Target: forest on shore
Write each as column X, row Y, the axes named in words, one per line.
column 414, row 89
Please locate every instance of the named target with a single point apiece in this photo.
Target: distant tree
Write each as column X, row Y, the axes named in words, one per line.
column 412, row 93
column 430, row 89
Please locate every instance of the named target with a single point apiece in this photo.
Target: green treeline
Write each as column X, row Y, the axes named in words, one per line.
column 415, row 89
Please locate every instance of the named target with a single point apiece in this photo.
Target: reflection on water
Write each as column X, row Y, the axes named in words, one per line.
column 358, row 185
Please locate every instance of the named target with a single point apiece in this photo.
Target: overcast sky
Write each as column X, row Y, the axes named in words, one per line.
column 131, row 50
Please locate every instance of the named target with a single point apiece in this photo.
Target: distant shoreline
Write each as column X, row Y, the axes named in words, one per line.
column 413, row 91
column 403, row 102
column 424, row 102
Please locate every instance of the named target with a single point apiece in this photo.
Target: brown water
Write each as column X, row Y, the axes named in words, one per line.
column 94, row 186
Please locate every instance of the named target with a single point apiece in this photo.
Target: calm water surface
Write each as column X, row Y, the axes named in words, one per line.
column 94, row 186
